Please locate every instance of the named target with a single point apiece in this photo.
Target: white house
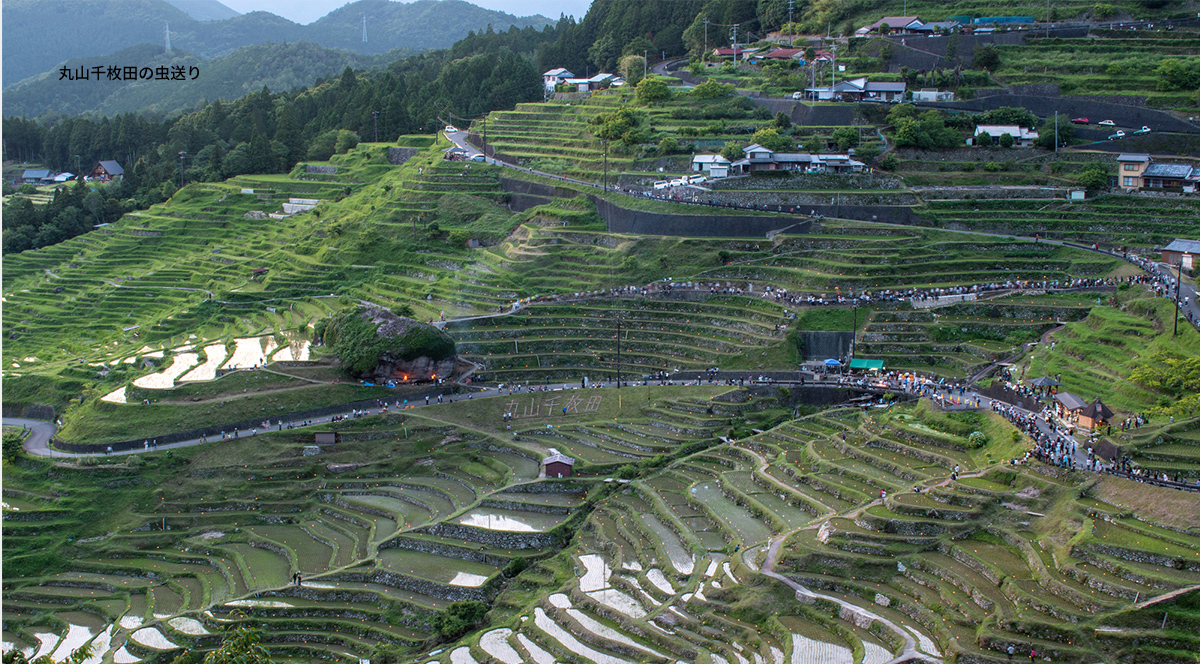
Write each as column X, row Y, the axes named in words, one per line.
column 759, row 158
column 860, row 89
column 1022, row 137
column 712, row 165
column 555, row 76
column 588, row 84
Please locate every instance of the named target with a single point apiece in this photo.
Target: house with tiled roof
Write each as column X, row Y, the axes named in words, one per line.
column 1182, row 252
column 1136, row 170
column 895, row 24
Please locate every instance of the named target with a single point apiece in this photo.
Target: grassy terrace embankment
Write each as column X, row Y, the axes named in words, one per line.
column 409, row 512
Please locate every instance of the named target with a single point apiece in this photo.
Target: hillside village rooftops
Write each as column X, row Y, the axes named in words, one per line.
column 557, row 457
column 1174, row 171
column 709, row 159
column 1070, row 401
column 784, row 53
column 112, row 167
column 1016, row 132
column 559, row 72
column 35, row 174
column 1184, row 246
column 1133, row 156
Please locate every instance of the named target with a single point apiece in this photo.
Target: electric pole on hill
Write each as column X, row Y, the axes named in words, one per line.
column 1178, row 284
column 705, row 38
column 364, row 28
column 791, row 6
column 618, row 351
column 375, row 117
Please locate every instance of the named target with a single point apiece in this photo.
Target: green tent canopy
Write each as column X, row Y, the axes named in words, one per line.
column 872, row 365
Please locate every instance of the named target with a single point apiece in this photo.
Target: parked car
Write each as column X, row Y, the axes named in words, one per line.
column 661, row 184
column 797, row 95
column 478, row 157
column 1107, row 123
column 696, row 179
column 1117, row 136
column 1079, row 121
column 450, row 129
column 1143, row 130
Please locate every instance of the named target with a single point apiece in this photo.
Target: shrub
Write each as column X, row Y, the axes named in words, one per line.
column 712, row 89
column 977, row 439
column 11, row 447
column 651, row 91
column 404, row 310
column 1006, row 140
column 987, row 57
column 459, row 617
column 890, row 162
column 668, row 146
column 627, row 472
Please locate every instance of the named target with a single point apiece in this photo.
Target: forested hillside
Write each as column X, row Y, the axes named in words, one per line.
column 279, row 67
column 38, row 37
column 269, row 132
column 203, row 10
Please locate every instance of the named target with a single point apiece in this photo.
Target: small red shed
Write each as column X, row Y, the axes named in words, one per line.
column 558, row 464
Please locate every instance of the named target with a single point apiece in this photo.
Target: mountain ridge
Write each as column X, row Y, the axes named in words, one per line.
column 278, row 67
column 38, row 39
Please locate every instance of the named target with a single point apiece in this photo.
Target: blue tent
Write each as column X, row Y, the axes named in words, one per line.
column 832, row 363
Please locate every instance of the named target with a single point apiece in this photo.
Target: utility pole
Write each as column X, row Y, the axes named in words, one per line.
column 1056, row 131
column 735, row 27
column 618, row 351
column 705, row 56
column 791, row 6
column 854, row 332
column 833, row 71
column 1178, row 283
column 375, row 117
column 605, row 142
column 645, row 64
column 182, row 156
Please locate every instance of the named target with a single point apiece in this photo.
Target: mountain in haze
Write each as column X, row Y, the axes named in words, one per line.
column 204, row 10
column 278, row 67
column 39, row 36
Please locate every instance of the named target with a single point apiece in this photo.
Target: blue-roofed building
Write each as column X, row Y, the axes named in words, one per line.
column 1140, row 171
column 34, row 176
column 1182, row 252
column 1160, row 175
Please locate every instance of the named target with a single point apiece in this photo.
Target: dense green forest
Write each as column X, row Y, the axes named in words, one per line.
column 278, row 67
column 39, row 36
column 203, row 10
column 267, row 132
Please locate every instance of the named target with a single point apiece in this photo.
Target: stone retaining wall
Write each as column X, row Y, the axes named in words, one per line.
column 496, row 538
column 447, row 550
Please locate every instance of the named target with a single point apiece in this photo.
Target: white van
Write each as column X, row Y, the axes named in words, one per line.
column 797, row 95
column 661, row 184
column 678, row 182
column 696, row 179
